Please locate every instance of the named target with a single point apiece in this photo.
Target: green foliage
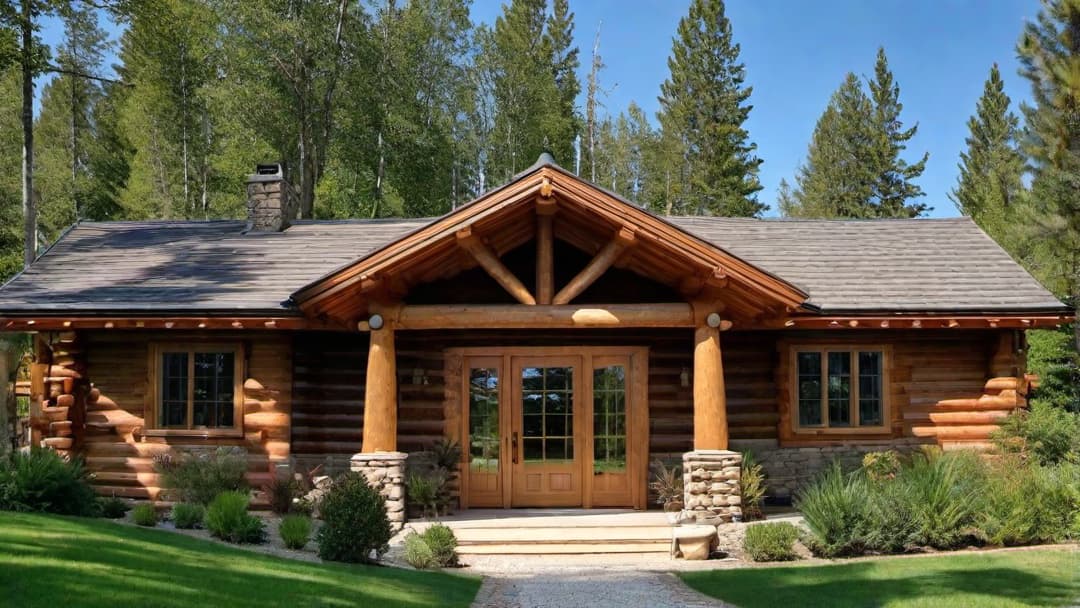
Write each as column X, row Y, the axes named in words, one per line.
column 1027, row 503
column 1053, row 358
column 1044, row 432
column 771, row 542
column 990, row 186
column 355, row 524
column 417, row 552
column 227, row 518
column 435, row 547
column 423, row 490
column 881, row 465
column 667, row 482
column 144, row 514
column 854, row 167
column 295, row 531
column 751, row 487
column 834, row 509
column 40, row 480
column 943, row 492
column 704, row 104
column 282, row 493
column 187, row 515
column 199, row 476
column 112, row 507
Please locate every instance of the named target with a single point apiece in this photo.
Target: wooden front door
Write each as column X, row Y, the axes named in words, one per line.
column 554, row 427
column 545, row 431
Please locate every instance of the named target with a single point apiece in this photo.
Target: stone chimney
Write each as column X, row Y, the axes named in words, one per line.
column 271, row 201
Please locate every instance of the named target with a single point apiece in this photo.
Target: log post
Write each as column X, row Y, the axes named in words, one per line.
column 545, row 254
column 710, row 402
column 380, row 389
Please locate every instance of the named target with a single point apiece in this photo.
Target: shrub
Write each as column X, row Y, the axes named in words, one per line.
column 944, row 492
column 667, row 483
column 282, row 494
column 834, row 508
column 40, row 480
column 1045, row 432
column 423, row 490
column 355, row 524
column 228, row 519
column 881, row 465
column 188, row 515
column 144, row 515
column 891, row 525
column 772, row 542
column 1053, row 357
column 199, row 476
column 417, row 552
column 435, row 547
column 1030, row 503
column 113, row 507
column 751, row 487
column 295, row 531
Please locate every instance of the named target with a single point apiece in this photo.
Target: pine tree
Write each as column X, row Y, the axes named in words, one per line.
column 564, row 123
column 893, row 186
column 11, row 229
column 1050, row 58
column 703, row 106
column 853, row 165
column 990, row 186
column 837, row 178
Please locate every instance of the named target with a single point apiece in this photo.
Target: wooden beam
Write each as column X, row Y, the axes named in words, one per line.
column 595, row 268
column 710, row 400
column 496, row 316
column 56, row 323
column 380, row 392
column 938, row 321
column 494, row 266
column 545, row 259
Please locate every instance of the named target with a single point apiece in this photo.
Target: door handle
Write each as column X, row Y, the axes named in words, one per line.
column 514, row 448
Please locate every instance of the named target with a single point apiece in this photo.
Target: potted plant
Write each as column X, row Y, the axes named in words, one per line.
column 668, row 484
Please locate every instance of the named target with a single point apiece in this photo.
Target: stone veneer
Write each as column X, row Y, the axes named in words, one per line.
column 789, row 469
column 385, row 471
column 711, row 485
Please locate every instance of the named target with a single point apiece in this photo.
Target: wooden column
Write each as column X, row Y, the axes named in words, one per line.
column 710, row 402
column 545, row 255
column 380, row 392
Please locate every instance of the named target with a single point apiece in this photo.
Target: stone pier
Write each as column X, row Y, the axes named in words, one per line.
column 711, row 485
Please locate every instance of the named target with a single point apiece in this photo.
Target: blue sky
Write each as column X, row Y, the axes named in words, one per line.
column 797, row 52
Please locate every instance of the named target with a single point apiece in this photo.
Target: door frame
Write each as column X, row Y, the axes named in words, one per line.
column 457, row 412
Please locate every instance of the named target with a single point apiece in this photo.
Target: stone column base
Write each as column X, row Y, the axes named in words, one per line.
column 711, row 485
column 385, row 471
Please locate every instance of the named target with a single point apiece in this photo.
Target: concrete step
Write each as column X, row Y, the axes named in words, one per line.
column 564, row 548
column 580, row 535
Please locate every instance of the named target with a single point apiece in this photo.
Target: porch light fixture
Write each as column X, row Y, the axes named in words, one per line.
column 419, row 377
column 713, row 320
column 375, row 322
column 684, row 377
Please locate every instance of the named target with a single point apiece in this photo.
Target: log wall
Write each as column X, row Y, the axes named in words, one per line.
column 117, row 449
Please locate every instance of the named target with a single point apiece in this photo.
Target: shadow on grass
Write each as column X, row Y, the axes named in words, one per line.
column 56, row 561
column 1026, row 578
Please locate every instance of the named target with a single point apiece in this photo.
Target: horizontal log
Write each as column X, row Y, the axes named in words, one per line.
column 942, row 433
column 1006, row 383
column 545, row 317
column 968, row 418
column 58, row 443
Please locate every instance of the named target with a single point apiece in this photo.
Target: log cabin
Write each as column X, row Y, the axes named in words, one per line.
column 564, row 336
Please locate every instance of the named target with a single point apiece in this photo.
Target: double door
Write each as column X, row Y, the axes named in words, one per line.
column 554, row 427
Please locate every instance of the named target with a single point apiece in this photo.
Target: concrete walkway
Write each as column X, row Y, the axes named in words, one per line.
column 596, row 588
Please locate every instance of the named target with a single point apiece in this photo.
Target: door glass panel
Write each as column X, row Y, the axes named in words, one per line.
column 547, row 395
column 609, row 419
column 484, row 420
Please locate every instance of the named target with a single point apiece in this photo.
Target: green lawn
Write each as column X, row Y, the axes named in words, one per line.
column 55, row 561
column 1045, row 577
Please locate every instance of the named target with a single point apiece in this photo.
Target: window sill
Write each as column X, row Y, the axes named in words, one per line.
column 204, row 433
column 854, row 430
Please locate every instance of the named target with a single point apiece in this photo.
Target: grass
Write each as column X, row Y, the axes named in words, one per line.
column 1044, row 577
column 49, row 561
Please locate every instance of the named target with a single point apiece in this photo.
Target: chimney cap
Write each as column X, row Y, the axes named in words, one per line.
column 267, row 172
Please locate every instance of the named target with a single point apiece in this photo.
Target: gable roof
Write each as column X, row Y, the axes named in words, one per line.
column 181, row 268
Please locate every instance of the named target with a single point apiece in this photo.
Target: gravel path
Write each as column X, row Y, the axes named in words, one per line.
column 596, row 588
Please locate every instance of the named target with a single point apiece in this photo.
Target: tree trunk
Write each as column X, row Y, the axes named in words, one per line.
column 29, row 207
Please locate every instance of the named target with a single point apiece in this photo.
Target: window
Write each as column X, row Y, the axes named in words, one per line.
column 839, row 389
column 198, row 388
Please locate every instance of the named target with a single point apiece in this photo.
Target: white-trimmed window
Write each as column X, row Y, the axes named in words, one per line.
column 197, row 388
column 839, row 388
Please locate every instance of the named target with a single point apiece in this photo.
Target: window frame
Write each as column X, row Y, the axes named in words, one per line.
column 155, row 389
column 852, row 350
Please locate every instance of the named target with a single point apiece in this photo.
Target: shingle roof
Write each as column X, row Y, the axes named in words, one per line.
column 924, row 265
